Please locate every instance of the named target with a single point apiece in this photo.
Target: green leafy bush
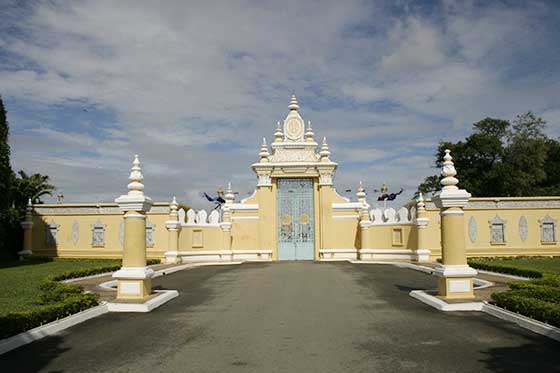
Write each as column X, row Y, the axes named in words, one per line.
column 537, row 309
column 53, row 291
column 502, row 268
column 94, row 271
column 529, row 290
column 57, row 300
column 17, row 322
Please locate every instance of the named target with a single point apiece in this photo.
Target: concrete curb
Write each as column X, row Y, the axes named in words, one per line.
column 441, row 305
column 163, row 297
column 53, row 327
column 523, row 321
column 513, row 277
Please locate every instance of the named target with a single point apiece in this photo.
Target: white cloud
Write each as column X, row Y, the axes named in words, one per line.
column 193, row 87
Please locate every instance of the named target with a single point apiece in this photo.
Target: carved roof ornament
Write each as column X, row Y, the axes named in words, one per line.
column 278, row 134
column 309, row 133
column 450, row 195
column 325, row 153
column 135, row 200
column 420, row 205
column 361, row 193
column 293, row 124
column 135, row 186
column 264, row 152
column 448, row 172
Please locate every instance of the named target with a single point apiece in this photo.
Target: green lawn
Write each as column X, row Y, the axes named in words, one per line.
column 19, row 280
column 542, row 264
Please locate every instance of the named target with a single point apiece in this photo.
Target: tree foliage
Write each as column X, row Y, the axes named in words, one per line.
column 15, row 191
column 503, row 159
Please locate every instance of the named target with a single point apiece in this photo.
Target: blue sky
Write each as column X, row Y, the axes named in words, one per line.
column 193, row 86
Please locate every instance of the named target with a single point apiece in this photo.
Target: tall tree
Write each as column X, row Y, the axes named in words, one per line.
column 503, row 159
column 6, row 173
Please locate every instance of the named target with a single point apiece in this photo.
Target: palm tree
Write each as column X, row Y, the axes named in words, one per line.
column 31, row 186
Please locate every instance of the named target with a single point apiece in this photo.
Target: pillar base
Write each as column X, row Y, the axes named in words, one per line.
column 422, row 255
column 455, row 281
column 134, row 283
column 172, row 257
column 24, row 253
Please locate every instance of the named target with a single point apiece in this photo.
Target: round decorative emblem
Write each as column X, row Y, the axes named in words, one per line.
column 304, row 219
column 286, row 219
column 294, row 129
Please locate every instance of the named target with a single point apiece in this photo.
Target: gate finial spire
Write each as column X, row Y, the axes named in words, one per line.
column 293, row 103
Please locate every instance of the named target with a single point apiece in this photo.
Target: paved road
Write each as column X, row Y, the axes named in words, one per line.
column 291, row 317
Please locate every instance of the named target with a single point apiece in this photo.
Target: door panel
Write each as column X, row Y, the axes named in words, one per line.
column 295, row 219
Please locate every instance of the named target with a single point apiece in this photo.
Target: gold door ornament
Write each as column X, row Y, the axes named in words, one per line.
column 304, row 219
column 286, row 219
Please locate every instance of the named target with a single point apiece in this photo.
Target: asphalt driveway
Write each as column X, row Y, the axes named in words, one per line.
column 291, row 317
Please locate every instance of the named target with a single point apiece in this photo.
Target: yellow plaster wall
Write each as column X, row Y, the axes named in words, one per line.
column 84, row 248
column 211, row 238
column 381, row 237
column 513, row 245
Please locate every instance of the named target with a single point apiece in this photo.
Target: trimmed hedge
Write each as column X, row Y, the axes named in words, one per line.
column 493, row 267
column 93, row 271
column 57, row 301
column 544, row 293
column 17, row 322
column 534, row 308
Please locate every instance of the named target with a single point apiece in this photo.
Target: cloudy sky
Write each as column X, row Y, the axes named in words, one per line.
column 193, row 86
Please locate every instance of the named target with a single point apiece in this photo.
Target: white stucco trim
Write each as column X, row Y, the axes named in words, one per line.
column 244, row 218
column 53, row 327
column 201, row 225
column 345, row 217
column 252, row 207
column 459, row 270
column 162, row 297
column 337, row 254
column 294, row 164
column 248, row 198
column 225, row 255
column 452, row 212
column 347, row 206
column 134, row 273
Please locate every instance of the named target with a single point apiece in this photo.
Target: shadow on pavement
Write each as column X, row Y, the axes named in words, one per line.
column 33, row 357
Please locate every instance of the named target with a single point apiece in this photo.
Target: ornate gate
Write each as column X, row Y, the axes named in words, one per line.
column 295, row 219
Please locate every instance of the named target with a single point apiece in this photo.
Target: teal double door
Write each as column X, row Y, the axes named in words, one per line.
column 296, row 225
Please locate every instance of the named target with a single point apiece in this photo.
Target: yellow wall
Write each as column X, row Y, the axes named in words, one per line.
column 250, row 233
column 63, row 216
column 211, row 238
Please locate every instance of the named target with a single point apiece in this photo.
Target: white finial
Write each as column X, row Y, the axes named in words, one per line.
column 174, row 206
column 29, row 204
column 420, row 205
column 229, row 193
column 448, row 172
column 309, row 133
column 135, row 186
column 293, row 103
column 264, row 151
column 278, row 135
column 361, row 193
column 325, row 150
